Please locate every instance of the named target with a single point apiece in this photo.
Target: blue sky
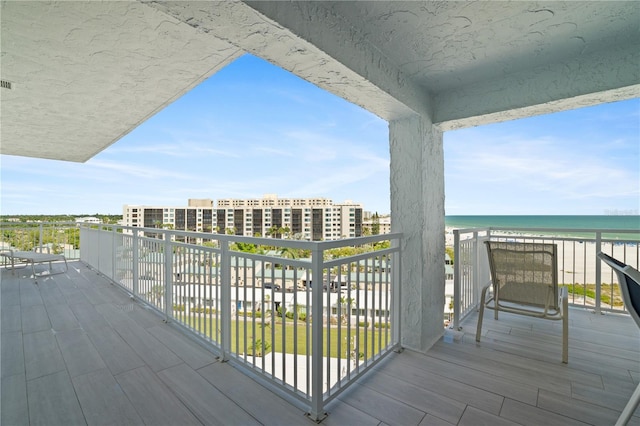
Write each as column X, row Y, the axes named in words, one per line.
column 253, row 129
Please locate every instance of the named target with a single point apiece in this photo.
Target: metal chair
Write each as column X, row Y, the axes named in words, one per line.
column 524, row 280
column 629, row 280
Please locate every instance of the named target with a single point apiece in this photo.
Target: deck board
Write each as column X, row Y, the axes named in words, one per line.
column 78, row 350
column 417, row 396
column 103, row 401
column 13, row 395
column 529, row 415
column 11, row 318
column 389, row 410
column 154, row 352
column 154, row 401
column 12, row 354
column 115, row 352
column 203, row 399
column 62, row 318
column 80, row 356
column 577, row 409
column 190, row 352
column 41, row 354
column 462, row 392
column 35, row 318
column 52, row 295
column 52, row 401
column 257, row 401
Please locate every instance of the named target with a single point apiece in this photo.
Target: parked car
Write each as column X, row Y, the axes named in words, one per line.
column 332, row 286
column 336, row 286
column 270, row 286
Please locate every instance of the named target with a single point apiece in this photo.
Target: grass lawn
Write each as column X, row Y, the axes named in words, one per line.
column 290, row 338
column 589, row 291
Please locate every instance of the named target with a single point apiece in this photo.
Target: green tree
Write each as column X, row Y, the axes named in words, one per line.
column 289, row 253
column 286, row 232
column 375, row 224
column 259, row 348
column 450, row 252
column 244, row 247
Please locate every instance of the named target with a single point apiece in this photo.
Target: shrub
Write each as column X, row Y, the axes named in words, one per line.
column 259, row 348
column 202, row 310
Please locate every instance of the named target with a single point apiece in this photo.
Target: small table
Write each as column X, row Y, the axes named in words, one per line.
column 32, row 257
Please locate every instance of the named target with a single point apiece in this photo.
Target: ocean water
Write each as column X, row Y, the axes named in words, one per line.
column 582, row 222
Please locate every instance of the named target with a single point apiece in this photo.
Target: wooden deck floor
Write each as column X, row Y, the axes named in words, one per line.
column 77, row 350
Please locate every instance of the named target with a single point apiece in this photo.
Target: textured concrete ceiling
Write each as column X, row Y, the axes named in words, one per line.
column 83, row 74
column 475, row 62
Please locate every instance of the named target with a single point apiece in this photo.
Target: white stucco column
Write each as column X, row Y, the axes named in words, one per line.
column 417, row 210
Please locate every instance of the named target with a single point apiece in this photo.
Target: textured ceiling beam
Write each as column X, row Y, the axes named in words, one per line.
column 606, row 76
column 280, row 32
column 321, row 26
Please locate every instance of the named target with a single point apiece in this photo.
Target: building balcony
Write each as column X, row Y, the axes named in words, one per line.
column 82, row 348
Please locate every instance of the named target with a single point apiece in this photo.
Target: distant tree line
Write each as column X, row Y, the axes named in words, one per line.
column 106, row 218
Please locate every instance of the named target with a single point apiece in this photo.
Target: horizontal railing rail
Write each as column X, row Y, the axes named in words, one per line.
column 589, row 284
column 306, row 318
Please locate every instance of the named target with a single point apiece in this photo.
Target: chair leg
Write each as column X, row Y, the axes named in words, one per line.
column 565, row 338
column 481, row 313
column 565, row 326
column 630, row 408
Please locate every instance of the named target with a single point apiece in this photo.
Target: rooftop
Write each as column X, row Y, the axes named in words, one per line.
column 77, row 350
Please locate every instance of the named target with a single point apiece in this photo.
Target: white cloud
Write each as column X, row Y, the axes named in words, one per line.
column 138, row 170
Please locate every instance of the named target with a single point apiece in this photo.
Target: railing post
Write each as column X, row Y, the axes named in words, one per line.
column 396, row 294
column 598, row 273
column 114, row 253
column 476, row 266
column 40, row 243
column 225, row 294
column 168, row 277
column 456, row 279
column 316, row 412
column 135, row 266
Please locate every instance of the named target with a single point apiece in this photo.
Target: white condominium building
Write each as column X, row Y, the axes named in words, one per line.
column 313, row 219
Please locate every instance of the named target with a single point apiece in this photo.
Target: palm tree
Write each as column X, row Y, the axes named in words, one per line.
column 345, row 305
column 289, row 253
column 286, row 232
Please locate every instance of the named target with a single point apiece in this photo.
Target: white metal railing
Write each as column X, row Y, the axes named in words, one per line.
column 306, row 326
column 590, row 285
column 52, row 237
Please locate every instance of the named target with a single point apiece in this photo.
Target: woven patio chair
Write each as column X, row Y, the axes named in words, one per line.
column 629, row 280
column 524, row 280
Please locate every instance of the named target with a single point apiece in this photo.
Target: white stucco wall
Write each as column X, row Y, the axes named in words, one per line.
column 417, row 208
